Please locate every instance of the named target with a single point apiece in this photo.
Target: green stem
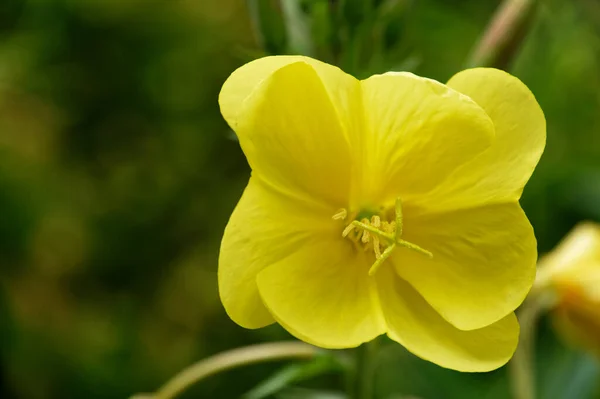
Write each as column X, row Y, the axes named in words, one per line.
column 362, row 385
column 504, row 35
column 228, row 360
column 522, row 366
column 255, row 22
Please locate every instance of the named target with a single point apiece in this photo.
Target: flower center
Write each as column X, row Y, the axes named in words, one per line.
column 381, row 236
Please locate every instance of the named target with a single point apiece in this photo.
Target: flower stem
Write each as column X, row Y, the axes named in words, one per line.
column 228, row 360
column 522, row 365
column 504, row 35
column 362, row 385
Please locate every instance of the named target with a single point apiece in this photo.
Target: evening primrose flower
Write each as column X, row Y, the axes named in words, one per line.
column 572, row 273
column 387, row 205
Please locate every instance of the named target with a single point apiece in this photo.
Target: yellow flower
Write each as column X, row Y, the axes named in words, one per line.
column 572, row 271
column 387, row 205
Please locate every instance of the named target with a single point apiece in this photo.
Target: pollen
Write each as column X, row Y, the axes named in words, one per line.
column 380, row 236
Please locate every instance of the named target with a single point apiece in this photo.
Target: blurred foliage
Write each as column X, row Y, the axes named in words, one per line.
column 117, row 176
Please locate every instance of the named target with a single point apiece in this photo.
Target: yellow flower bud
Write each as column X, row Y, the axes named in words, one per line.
column 572, row 271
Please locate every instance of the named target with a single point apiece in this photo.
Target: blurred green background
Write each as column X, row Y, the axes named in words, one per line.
column 118, row 174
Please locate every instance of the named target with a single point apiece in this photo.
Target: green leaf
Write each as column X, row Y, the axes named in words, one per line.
column 301, row 393
column 294, row 373
column 322, row 30
column 268, row 25
column 297, row 26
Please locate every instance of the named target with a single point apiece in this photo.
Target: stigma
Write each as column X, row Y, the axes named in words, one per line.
column 379, row 235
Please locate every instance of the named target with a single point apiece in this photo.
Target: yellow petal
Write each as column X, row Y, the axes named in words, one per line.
column 500, row 173
column 417, row 132
column 244, row 80
column 265, row 227
column 483, row 262
column 417, row 326
column 322, row 294
column 293, row 117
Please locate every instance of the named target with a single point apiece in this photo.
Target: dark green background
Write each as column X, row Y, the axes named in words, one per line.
column 118, row 174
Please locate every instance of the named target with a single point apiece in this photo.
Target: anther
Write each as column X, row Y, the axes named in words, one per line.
column 340, row 214
column 348, row 229
column 365, row 237
column 376, row 221
column 399, row 217
column 376, row 247
column 391, row 227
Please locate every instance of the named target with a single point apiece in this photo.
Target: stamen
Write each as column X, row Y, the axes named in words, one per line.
column 376, row 247
column 340, row 214
column 365, row 237
column 389, row 227
column 399, row 217
column 376, row 233
column 376, row 221
column 348, row 229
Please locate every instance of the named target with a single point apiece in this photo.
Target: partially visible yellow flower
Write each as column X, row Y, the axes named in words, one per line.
column 387, row 205
column 572, row 270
